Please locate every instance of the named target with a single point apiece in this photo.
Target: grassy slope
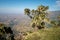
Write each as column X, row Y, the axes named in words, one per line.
column 45, row 34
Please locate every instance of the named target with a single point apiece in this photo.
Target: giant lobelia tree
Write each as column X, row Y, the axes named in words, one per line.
column 38, row 16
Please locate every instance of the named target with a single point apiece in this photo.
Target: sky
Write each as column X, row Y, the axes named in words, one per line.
column 18, row 6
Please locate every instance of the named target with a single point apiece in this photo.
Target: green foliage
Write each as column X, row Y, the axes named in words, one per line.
column 37, row 15
column 54, row 23
column 42, row 8
column 1, row 25
column 27, row 11
column 58, row 22
column 1, row 28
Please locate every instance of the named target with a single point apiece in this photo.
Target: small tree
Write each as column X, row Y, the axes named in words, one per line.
column 38, row 16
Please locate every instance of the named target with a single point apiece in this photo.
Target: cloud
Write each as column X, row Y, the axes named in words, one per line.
column 58, row 3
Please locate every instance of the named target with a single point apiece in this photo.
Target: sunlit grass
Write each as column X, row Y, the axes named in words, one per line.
column 52, row 33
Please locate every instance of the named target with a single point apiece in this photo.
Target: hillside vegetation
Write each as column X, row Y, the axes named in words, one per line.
column 37, row 25
column 52, row 33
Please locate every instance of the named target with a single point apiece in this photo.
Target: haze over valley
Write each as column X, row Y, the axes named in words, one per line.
column 18, row 22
